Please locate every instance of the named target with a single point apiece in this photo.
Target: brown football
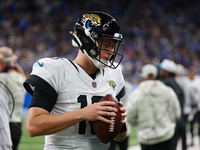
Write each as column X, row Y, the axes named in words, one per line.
column 107, row 132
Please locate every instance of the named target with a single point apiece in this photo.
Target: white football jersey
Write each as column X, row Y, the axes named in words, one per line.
column 76, row 89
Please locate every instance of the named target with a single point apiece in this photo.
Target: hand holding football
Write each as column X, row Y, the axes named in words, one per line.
column 104, row 131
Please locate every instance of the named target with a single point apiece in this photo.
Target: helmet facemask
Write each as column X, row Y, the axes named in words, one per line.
column 115, row 58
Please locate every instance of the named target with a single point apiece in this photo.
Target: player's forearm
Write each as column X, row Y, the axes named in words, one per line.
column 45, row 123
column 40, row 122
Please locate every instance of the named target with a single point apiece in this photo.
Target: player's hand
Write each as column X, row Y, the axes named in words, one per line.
column 123, row 112
column 96, row 111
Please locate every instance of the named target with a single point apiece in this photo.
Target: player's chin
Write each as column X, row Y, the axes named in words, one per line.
column 104, row 58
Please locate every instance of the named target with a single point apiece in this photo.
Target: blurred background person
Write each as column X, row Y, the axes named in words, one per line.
column 194, row 115
column 189, row 96
column 12, row 76
column 154, row 108
column 5, row 136
column 167, row 72
column 182, row 80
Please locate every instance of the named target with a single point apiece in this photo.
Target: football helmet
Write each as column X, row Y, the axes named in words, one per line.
column 92, row 27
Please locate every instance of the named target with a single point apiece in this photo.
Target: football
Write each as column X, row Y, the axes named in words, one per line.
column 107, row 132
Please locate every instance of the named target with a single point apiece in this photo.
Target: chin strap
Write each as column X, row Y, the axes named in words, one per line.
column 77, row 43
column 95, row 61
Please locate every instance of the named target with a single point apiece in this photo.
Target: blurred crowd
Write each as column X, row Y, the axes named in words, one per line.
column 153, row 30
column 162, row 30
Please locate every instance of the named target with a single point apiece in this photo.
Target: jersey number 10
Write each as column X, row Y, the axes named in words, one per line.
column 83, row 100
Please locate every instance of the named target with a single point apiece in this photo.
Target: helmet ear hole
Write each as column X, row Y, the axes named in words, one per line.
column 94, row 53
column 94, row 35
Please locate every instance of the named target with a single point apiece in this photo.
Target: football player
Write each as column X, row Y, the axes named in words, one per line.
column 65, row 93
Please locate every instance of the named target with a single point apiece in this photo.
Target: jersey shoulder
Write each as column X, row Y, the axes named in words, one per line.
column 52, row 65
column 52, row 70
column 53, row 62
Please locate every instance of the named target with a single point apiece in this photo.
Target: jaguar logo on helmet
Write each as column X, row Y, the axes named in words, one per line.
column 91, row 20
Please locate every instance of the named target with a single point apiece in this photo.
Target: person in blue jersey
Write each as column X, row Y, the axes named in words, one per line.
column 66, row 93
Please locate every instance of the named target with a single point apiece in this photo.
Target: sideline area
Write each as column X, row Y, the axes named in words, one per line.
column 196, row 145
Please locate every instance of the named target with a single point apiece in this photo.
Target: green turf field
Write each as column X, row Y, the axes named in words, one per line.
column 30, row 143
column 37, row 143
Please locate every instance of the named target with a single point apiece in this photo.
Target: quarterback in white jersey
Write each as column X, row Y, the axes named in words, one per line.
column 66, row 93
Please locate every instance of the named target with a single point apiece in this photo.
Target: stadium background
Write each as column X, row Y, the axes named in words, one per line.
column 153, row 30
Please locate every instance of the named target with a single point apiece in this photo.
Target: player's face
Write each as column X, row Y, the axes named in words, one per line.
column 107, row 48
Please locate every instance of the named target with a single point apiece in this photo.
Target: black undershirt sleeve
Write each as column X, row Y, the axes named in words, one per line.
column 121, row 93
column 123, row 129
column 119, row 96
column 43, row 95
